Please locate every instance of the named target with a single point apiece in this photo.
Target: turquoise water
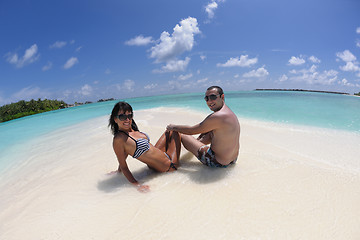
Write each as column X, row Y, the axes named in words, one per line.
column 314, row 109
column 304, row 108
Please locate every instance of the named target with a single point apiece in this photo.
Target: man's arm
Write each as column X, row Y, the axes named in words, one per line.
column 210, row 123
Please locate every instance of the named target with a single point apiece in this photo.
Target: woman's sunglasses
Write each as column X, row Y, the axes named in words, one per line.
column 211, row 97
column 123, row 117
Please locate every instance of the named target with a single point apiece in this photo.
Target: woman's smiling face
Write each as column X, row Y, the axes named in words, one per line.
column 126, row 123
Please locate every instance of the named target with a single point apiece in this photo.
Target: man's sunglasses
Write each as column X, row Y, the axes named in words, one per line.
column 211, row 97
column 123, row 117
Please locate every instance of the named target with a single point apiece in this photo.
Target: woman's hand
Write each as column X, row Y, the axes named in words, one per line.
column 113, row 172
column 142, row 187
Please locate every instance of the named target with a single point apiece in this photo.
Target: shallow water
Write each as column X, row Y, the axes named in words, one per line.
column 312, row 109
column 288, row 183
column 297, row 176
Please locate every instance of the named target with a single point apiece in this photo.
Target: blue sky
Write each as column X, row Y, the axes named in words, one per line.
column 87, row 50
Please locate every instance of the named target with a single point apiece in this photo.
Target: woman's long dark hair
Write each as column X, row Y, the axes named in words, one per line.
column 120, row 106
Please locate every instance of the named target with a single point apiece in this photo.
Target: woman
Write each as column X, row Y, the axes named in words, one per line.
column 128, row 140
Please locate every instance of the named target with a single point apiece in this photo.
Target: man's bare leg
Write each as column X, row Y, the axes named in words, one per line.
column 191, row 144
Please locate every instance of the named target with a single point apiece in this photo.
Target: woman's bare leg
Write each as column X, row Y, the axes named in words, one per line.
column 170, row 142
column 174, row 147
column 161, row 143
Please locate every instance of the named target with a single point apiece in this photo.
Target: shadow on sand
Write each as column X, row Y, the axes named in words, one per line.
column 117, row 181
column 200, row 173
column 190, row 166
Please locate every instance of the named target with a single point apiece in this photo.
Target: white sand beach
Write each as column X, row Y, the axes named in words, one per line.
column 290, row 182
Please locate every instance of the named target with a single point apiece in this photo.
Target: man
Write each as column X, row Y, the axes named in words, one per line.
column 221, row 130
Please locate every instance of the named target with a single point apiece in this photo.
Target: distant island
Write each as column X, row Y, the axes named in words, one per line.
column 88, row 102
column 26, row 108
column 301, row 90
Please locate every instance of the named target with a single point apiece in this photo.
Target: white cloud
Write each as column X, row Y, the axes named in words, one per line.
column 13, row 58
column 58, row 44
column 203, row 80
column 185, row 77
column 129, row 85
column 139, row 41
column 210, row 8
column 30, row 56
column 48, row 66
column 243, row 61
column 174, row 85
column 346, row 83
column 351, row 64
column 71, row 62
column 30, row 93
column 174, row 66
column 358, row 43
column 314, row 59
column 181, row 40
column 67, row 93
column 312, row 76
column 260, row 72
column 346, row 56
column 358, row 30
column 30, row 53
column 283, row 78
column 278, row 50
column 296, row 61
column 350, row 67
column 150, row 86
column 202, row 57
column 313, row 68
column 86, row 90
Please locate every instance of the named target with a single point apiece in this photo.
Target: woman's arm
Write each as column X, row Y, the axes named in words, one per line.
column 118, row 145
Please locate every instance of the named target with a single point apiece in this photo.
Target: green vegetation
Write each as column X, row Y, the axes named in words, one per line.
column 26, row 108
column 357, row 94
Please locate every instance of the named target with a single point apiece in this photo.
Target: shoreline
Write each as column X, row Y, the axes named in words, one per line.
column 265, row 124
column 282, row 185
column 301, row 90
column 76, row 104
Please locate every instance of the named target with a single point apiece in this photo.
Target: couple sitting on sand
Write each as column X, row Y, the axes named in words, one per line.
column 221, row 130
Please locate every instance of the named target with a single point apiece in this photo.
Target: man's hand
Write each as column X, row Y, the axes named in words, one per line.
column 205, row 137
column 170, row 127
